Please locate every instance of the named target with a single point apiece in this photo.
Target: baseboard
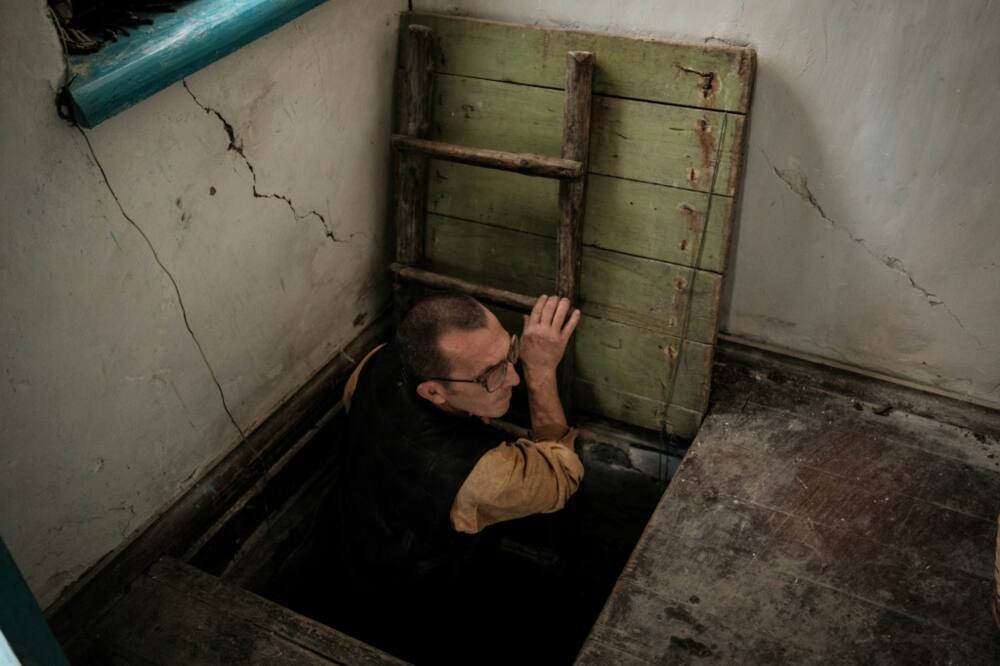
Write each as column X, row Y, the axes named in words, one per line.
column 847, row 367
column 846, row 380
column 183, row 523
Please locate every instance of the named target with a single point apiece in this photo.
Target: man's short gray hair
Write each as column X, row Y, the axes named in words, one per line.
column 421, row 329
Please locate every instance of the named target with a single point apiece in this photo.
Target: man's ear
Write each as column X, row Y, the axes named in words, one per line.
column 432, row 391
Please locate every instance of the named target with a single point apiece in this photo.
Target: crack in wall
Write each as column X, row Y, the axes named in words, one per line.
column 798, row 183
column 177, row 290
column 237, row 147
column 128, row 521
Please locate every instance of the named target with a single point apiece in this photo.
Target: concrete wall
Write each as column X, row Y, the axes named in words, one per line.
column 868, row 233
column 120, row 337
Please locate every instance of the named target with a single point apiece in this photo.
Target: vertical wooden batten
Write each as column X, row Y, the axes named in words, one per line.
column 576, row 146
column 572, row 194
column 411, row 167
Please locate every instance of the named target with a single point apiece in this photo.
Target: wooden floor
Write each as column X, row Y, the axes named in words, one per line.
column 176, row 614
column 818, row 518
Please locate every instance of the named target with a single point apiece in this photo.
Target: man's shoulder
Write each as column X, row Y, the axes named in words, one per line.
column 352, row 382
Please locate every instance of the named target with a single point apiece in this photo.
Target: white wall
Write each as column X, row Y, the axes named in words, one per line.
column 884, row 112
column 110, row 411
column 887, row 114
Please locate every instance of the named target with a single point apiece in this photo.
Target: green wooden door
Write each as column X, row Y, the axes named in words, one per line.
column 667, row 137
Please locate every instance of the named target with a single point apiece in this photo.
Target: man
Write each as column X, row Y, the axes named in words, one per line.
column 423, row 471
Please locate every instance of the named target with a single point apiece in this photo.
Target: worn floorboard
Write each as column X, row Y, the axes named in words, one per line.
column 813, row 522
column 176, row 614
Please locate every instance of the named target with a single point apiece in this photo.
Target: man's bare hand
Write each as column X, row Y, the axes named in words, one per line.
column 546, row 333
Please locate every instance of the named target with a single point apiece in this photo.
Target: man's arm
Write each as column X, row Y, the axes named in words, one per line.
column 543, row 343
column 525, row 477
column 518, row 479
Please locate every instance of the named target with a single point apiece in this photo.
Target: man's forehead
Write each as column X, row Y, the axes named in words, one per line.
column 478, row 349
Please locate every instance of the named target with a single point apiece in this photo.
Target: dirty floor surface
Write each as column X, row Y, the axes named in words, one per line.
column 818, row 518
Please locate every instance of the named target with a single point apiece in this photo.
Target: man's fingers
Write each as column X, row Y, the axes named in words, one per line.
column 562, row 307
column 570, row 326
column 536, row 310
column 549, row 309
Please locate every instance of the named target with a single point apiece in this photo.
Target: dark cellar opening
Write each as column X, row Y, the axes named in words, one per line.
column 534, row 587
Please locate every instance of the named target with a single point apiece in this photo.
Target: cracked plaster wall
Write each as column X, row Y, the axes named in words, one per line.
column 169, row 277
column 868, row 232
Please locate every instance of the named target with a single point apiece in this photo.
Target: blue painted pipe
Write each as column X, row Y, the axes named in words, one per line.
column 154, row 56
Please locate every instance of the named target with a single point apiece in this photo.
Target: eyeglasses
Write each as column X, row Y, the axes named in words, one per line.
column 492, row 378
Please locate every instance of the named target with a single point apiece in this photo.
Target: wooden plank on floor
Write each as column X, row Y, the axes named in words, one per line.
column 804, row 536
column 701, row 75
column 266, row 616
column 801, row 467
column 654, row 143
column 658, row 630
column 156, row 624
column 643, row 219
column 867, row 390
column 911, row 421
column 770, row 618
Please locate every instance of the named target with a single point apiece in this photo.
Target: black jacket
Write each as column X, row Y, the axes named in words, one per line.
column 403, row 465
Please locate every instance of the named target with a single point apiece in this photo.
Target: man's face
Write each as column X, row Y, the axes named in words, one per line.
column 471, row 353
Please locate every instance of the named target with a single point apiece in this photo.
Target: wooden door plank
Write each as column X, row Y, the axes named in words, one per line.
column 655, row 143
column 411, row 168
column 698, row 75
column 643, row 219
column 731, row 156
column 611, row 355
column 615, row 403
column 652, row 294
column 607, row 398
column 641, row 292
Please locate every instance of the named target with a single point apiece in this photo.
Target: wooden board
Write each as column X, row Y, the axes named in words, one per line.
column 665, row 163
column 633, row 290
column 655, row 143
column 655, row 70
column 610, row 357
column 806, row 526
column 177, row 614
column 616, row 355
column 632, row 217
column 619, row 404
